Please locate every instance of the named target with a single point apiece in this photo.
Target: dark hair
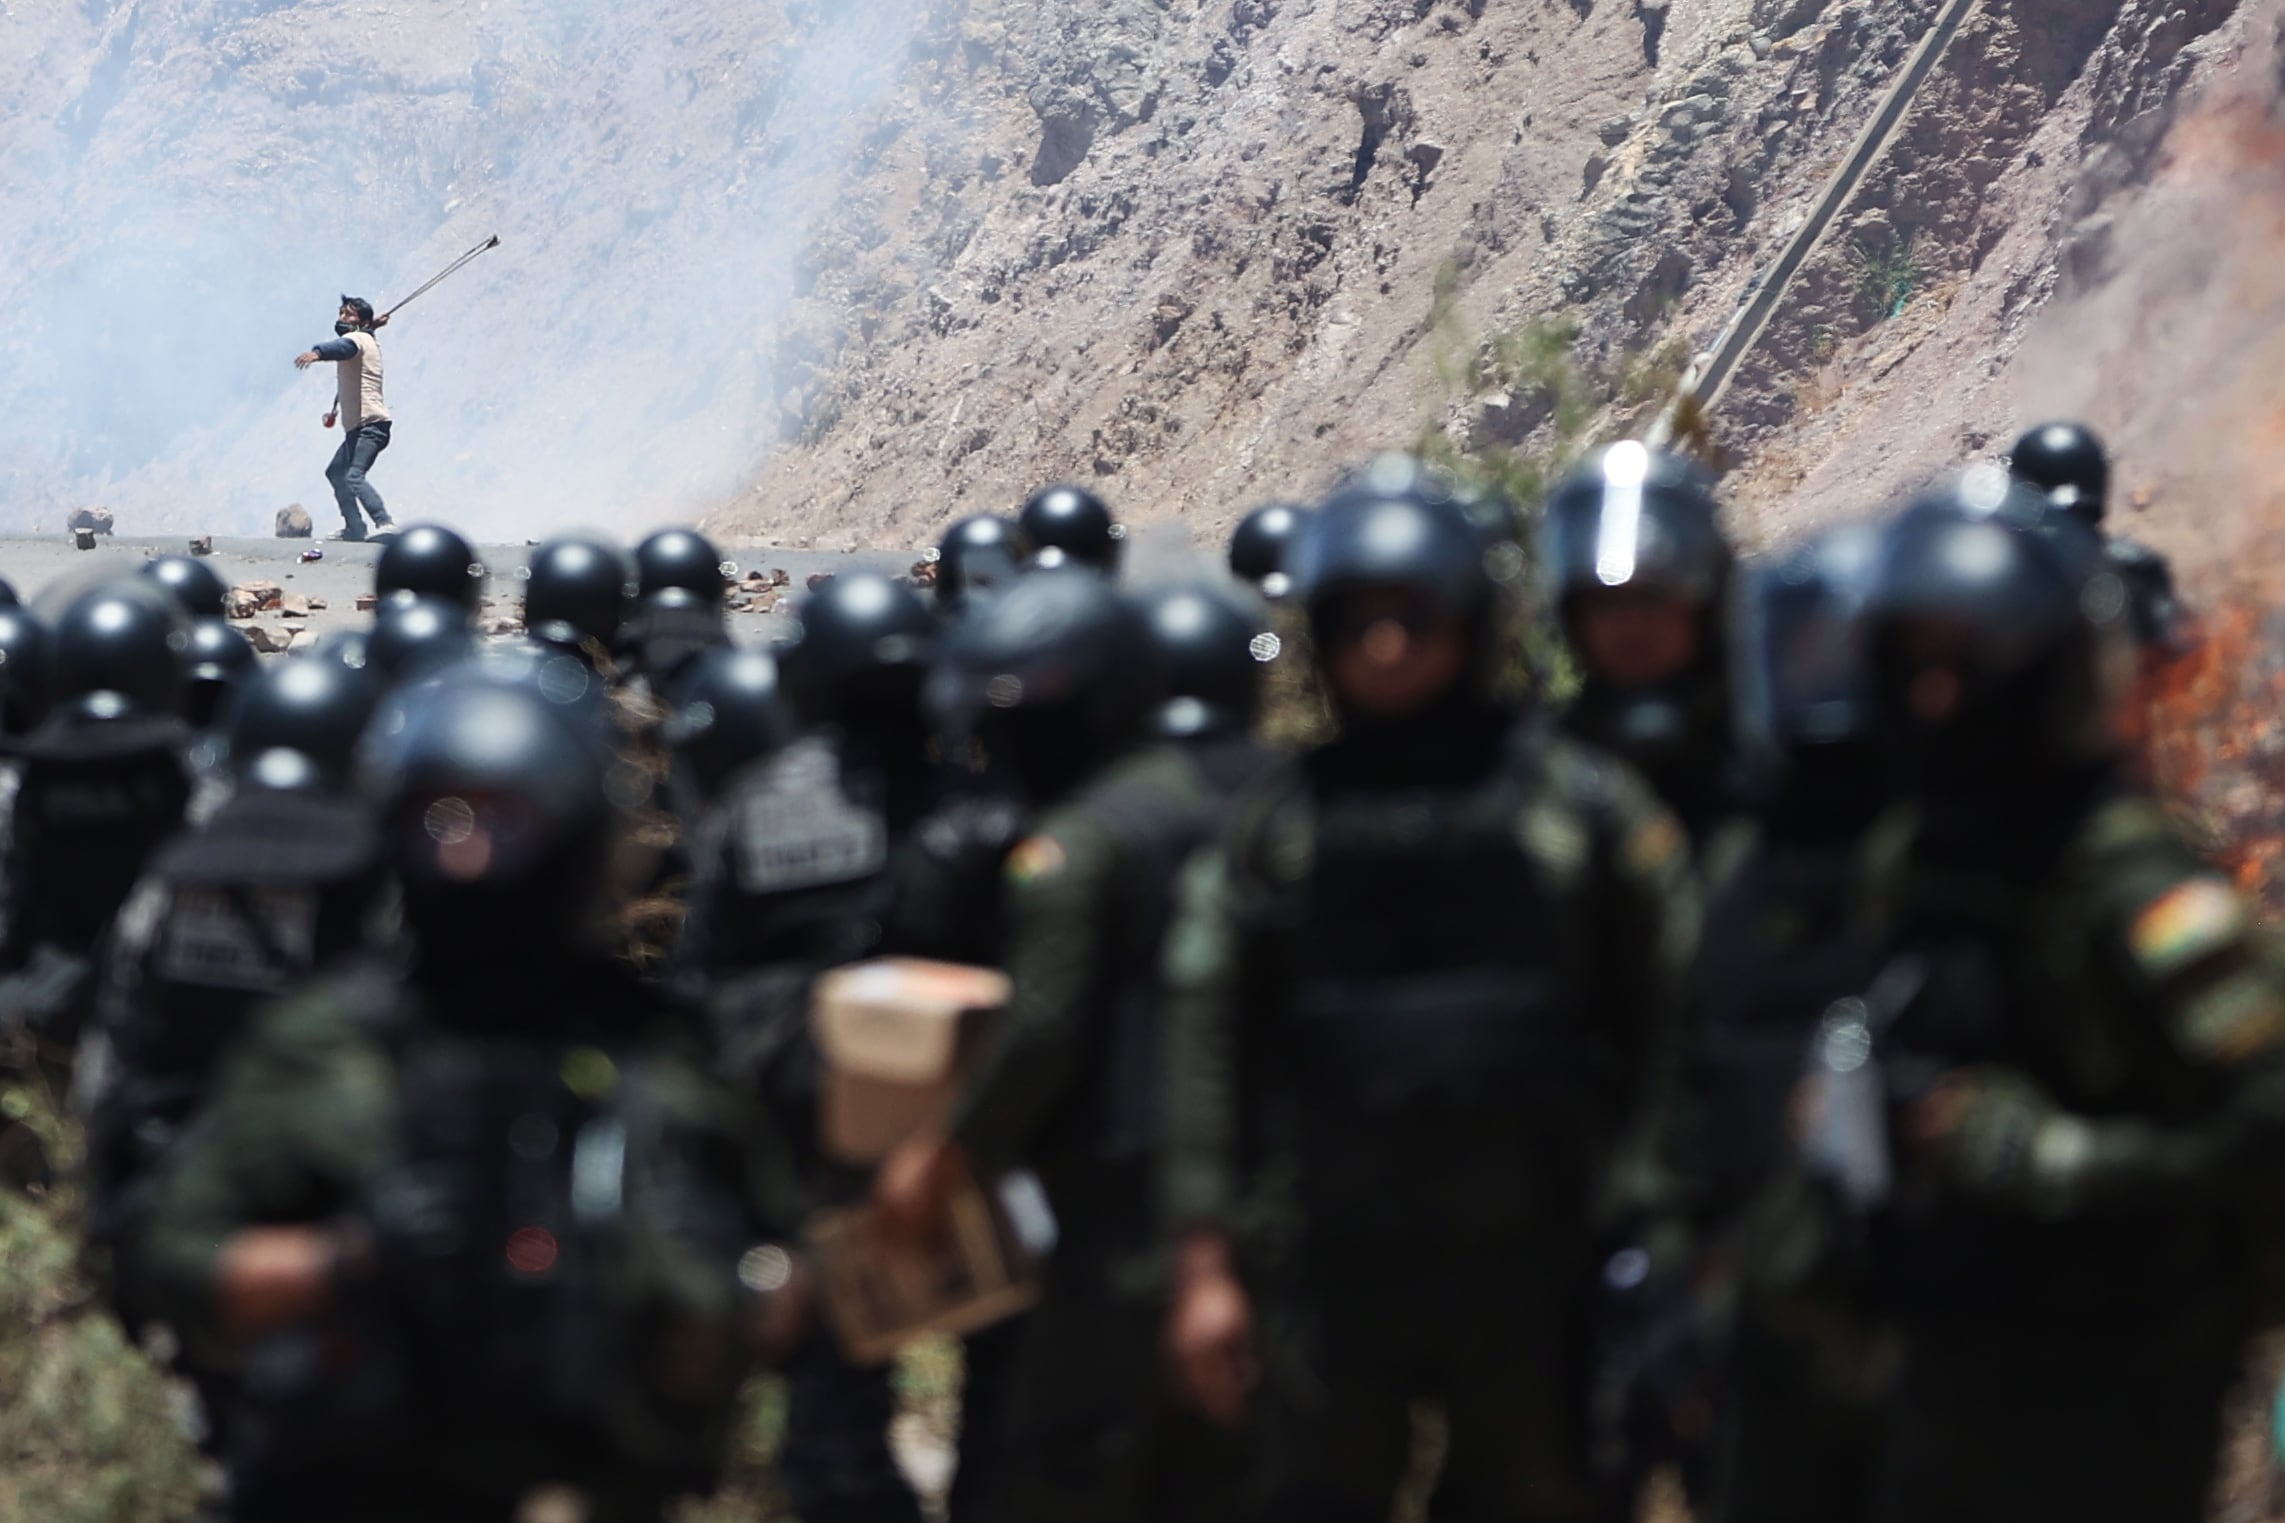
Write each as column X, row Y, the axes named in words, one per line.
column 360, row 306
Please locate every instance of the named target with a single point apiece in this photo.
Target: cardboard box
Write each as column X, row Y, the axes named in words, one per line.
column 895, row 1035
column 878, row 1298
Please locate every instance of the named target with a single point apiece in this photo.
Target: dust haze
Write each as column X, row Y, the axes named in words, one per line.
column 186, row 191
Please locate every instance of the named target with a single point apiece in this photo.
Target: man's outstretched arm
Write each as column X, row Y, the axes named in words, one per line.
column 330, row 349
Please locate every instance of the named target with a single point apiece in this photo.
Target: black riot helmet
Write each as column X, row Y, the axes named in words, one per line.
column 2000, row 650
column 25, row 671
column 296, row 724
column 1636, row 517
column 1068, row 524
column 728, row 710
column 8, row 594
column 122, row 646
column 1050, row 681
column 1803, row 683
column 1638, row 568
column 982, row 553
column 1260, row 544
column 862, row 649
column 1209, row 654
column 680, row 558
column 194, row 584
column 413, row 636
column 500, row 810
column 217, row 660
column 576, row 592
column 1395, row 534
column 431, row 561
column 2067, row 464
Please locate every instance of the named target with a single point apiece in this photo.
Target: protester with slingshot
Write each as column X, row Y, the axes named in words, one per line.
column 357, row 402
column 360, row 409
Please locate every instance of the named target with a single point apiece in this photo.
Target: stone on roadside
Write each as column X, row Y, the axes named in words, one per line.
column 293, row 522
column 202, row 544
column 90, row 520
column 267, row 640
column 250, row 598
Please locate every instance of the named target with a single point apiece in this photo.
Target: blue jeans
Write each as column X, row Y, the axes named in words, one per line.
column 359, row 448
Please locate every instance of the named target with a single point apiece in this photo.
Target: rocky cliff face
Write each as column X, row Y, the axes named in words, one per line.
column 1205, row 254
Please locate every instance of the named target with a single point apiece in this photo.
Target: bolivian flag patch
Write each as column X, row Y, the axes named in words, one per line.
column 2190, row 921
column 1034, row 858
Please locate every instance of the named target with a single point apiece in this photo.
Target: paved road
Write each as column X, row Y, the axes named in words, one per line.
column 46, row 571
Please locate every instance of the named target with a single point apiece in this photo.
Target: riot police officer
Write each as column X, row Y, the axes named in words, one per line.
column 431, row 561
column 102, row 783
column 2069, row 465
column 576, row 595
column 413, row 635
column 981, row 554
column 478, row 1227
column 1068, row 1082
column 218, row 661
column 1260, row 544
column 193, row 584
column 1785, row 940
column 1069, row 525
column 282, row 879
column 2070, row 1086
column 1416, row 992
column 795, row 873
column 680, row 584
column 728, row 712
column 1639, row 566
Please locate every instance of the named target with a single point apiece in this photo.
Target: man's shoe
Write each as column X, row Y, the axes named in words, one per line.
column 351, row 535
column 382, row 521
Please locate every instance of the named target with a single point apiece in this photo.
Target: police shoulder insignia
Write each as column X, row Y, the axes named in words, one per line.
column 1034, row 858
column 1652, row 846
column 2190, row 921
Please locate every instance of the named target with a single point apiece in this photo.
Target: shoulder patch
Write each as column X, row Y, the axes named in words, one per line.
column 1652, row 846
column 2191, row 920
column 1036, row 858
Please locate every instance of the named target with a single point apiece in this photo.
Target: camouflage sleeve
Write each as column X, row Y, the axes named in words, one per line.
column 1059, row 885
column 1644, row 942
column 301, row 1117
column 1199, row 1167
column 2181, row 948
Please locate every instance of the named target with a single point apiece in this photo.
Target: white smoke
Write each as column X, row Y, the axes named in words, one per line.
column 186, row 190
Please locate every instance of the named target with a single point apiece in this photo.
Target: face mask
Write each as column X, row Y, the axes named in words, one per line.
column 343, row 330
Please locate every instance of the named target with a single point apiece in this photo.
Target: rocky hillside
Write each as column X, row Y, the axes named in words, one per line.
column 1200, row 254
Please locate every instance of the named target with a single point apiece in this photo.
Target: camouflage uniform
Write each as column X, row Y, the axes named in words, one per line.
column 1068, row 1083
column 1417, row 997
column 557, row 1199
column 2073, row 1271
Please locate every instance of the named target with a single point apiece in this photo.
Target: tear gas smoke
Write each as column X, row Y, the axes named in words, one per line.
column 188, row 190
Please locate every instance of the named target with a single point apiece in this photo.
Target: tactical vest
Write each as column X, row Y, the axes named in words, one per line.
column 242, row 910
column 1116, row 1115
column 271, row 887
column 92, row 805
column 1423, row 952
column 541, row 1246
